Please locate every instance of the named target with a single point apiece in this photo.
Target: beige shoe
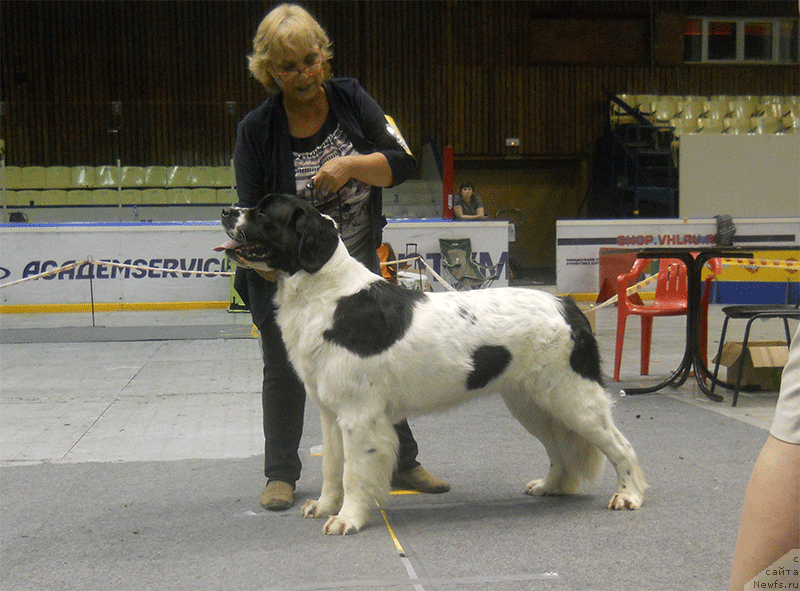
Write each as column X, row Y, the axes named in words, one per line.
column 278, row 496
column 419, row 479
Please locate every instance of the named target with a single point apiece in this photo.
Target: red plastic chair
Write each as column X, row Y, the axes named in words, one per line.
column 670, row 300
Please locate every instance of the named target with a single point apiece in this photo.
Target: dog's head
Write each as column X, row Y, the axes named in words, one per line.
column 281, row 233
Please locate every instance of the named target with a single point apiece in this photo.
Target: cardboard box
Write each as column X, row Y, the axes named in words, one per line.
column 763, row 363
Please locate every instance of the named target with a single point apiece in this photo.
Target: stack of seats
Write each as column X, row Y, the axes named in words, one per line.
column 716, row 114
column 59, row 186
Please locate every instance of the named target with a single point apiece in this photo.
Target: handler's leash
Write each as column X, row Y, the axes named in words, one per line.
column 427, row 266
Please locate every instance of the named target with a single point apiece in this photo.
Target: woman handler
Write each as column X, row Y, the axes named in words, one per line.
column 328, row 141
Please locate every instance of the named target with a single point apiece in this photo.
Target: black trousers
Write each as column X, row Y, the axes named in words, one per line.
column 283, row 399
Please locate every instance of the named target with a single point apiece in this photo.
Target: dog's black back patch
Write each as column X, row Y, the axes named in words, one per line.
column 373, row 319
column 585, row 356
column 488, row 362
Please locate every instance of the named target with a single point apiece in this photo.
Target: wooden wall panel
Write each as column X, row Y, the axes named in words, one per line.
column 468, row 73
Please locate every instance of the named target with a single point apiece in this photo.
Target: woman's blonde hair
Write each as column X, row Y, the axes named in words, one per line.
column 287, row 28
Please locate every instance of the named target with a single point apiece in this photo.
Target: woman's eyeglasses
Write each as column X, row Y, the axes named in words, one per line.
column 295, row 73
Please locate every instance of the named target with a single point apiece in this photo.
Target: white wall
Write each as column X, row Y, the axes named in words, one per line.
column 739, row 175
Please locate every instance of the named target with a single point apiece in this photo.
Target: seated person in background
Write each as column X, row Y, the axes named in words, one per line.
column 468, row 204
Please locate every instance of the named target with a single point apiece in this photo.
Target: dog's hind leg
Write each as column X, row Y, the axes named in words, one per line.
column 589, row 415
column 370, row 452
column 573, row 460
column 330, row 500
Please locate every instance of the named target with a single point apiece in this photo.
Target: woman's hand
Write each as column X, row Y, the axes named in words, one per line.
column 333, row 174
column 372, row 169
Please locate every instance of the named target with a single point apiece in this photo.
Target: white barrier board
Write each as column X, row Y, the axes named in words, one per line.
column 578, row 243
column 175, row 252
column 489, row 243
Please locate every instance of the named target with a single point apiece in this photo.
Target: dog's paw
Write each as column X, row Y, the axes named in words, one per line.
column 542, row 488
column 313, row 509
column 338, row 525
column 535, row 488
column 625, row 501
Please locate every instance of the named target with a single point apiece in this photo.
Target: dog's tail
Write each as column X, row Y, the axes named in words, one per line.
column 582, row 461
column 574, row 460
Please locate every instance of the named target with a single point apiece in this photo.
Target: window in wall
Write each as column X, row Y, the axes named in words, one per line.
column 721, row 40
column 741, row 40
column 757, row 41
column 693, row 40
column 788, row 38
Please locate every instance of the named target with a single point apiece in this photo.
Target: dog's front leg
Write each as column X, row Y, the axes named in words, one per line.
column 330, row 500
column 370, row 452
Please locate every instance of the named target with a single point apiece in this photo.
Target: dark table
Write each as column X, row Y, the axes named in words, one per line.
column 695, row 258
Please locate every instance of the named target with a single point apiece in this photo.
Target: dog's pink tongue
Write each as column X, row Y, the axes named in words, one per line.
column 229, row 245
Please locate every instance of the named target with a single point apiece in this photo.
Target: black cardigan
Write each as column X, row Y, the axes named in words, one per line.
column 264, row 163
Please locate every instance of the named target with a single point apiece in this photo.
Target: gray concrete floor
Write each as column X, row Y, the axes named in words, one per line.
column 153, row 442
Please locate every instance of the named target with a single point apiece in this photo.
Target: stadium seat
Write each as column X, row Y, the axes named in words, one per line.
column 59, row 177
column 742, row 106
column 130, row 197
column 738, row 126
column 203, row 176
column 718, row 107
column 34, row 177
column 154, row 196
column 106, row 176
column 692, row 107
column 27, row 197
column 103, row 197
column 51, row 197
column 132, row 176
column 179, row 176
column 155, row 176
column 710, row 125
column 203, row 195
column 82, row 177
column 227, row 196
column 179, row 196
column 224, row 177
column 666, row 108
column 683, row 126
column 646, row 103
column 79, row 197
column 770, row 109
column 766, row 124
column 14, row 198
column 790, row 124
column 12, row 177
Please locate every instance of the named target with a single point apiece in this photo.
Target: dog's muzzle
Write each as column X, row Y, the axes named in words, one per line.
column 238, row 248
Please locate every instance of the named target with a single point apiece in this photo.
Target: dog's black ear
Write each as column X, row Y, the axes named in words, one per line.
column 318, row 238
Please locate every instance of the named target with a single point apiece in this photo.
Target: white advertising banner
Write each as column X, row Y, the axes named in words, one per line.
column 489, row 243
column 174, row 253
column 578, row 243
column 175, row 262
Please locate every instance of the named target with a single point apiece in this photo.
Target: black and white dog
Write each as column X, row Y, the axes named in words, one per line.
column 372, row 353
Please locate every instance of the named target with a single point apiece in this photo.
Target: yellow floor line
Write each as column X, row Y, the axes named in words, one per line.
column 391, row 531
